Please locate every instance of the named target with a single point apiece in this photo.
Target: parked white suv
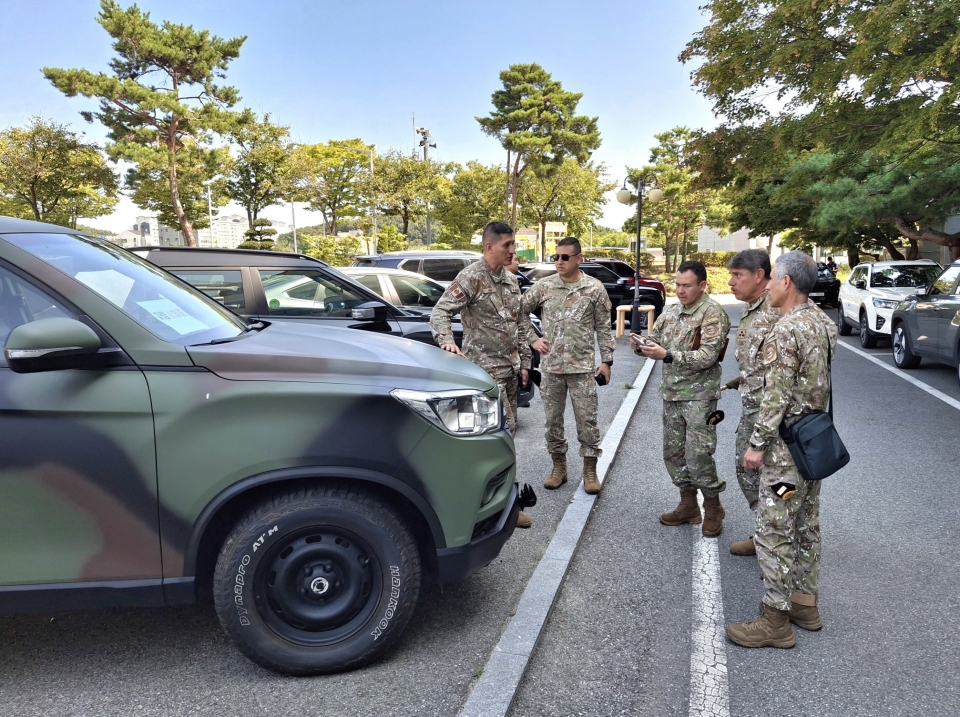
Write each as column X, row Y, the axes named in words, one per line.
column 873, row 290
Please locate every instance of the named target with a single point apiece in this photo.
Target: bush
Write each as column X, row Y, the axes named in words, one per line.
column 717, row 259
column 716, row 281
column 646, row 260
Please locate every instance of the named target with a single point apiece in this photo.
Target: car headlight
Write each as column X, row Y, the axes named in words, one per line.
column 460, row 413
column 885, row 303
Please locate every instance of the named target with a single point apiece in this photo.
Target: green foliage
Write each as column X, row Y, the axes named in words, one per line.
column 389, row 238
column 535, row 120
column 258, row 177
column 404, row 186
column 646, row 259
column 335, row 251
column 50, row 174
column 161, row 104
column 259, row 236
column 716, row 281
column 712, row 259
column 473, row 198
column 332, row 177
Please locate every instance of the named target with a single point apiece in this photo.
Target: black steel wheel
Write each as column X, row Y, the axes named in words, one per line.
column 317, row 581
column 867, row 339
column 843, row 328
column 903, row 357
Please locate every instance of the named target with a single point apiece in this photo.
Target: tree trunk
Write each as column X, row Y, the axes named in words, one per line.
column 853, row 257
column 543, row 240
column 909, row 230
column 251, row 218
column 913, row 251
column 405, row 216
column 515, row 190
column 186, row 226
column 506, row 191
column 884, row 241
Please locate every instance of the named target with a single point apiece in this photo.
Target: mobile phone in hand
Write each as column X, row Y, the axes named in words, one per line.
column 600, row 379
column 639, row 339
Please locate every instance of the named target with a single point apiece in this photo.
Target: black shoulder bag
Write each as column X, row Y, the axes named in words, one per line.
column 813, row 441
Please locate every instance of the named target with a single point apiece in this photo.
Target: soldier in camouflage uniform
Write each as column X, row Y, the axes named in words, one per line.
column 495, row 331
column 576, row 317
column 796, row 381
column 749, row 277
column 689, row 338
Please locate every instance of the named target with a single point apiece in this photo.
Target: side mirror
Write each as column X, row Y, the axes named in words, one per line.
column 921, row 292
column 369, row 311
column 48, row 344
column 860, row 284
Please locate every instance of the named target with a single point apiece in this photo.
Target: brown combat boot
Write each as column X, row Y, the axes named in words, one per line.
column 771, row 629
column 687, row 512
column 558, row 475
column 523, row 521
column 591, row 483
column 712, row 516
column 744, row 547
column 804, row 612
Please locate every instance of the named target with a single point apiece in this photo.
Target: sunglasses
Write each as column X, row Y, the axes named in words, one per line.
column 563, row 257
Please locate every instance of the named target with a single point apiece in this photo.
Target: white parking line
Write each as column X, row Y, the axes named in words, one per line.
column 709, row 693
column 495, row 690
column 906, row 377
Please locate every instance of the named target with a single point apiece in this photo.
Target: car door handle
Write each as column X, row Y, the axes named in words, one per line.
column 936, row 308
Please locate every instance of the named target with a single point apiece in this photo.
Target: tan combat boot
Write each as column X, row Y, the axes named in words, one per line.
column 712, row 516
column 558, row 475
column 591, row 483
column 687, row 512
column 804, row 612
column 523, row 521
column 771, row 629
column 744, row 547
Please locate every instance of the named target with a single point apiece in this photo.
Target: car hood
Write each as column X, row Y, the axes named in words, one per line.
column 898, row 294
column 321, row 354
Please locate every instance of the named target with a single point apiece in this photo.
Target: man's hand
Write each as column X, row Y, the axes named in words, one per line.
column 524, row 378
column 653, row 350
column 752, row 459
column 542, row 345
column 454, row 349
column 604, row 371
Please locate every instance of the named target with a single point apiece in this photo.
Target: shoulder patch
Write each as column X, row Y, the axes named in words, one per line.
column 456, row 292
column 770, row 353
column 711, row 331
column 741, row 333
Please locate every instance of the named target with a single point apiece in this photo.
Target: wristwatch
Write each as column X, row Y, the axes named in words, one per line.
column 608, row 363
column 669, row 357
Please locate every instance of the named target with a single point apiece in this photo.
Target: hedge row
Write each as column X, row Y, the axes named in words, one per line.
column 646, row 259
column 717, row 259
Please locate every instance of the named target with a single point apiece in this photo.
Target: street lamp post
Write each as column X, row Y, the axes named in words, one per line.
column 373, row 203
column 624, row 196
column 209, row 207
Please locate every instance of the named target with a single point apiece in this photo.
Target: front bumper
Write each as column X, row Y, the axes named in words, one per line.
column 455, row 564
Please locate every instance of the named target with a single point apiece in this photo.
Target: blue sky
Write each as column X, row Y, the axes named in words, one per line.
column 362, row 68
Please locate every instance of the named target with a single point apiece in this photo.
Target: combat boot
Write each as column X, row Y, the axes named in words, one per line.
column 523, row 521
column 687, row 512
column 558, row 475
column 591, row 483
column 712, row 516
column 771, row 629
column 804, row 612
column 744, row 547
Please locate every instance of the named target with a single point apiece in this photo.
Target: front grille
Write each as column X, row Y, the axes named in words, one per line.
column 493, row 485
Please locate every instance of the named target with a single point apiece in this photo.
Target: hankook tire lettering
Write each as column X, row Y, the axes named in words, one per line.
column 392, row 605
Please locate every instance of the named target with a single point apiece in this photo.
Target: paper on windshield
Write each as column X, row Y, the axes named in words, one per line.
column 109, row 283
column 173, row 316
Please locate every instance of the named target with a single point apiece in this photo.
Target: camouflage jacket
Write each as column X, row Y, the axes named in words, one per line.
column 495, row 331
column 695, row 336
column 757, row 320
column 572, row 315
column 795, row 378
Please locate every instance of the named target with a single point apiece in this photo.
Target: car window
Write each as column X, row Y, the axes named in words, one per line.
column 601, row 273
column 416, row 292
column 410, row 265
column 442, row 269
column 904, row 276
column 223, row 286
column 161, row 303
column 371, row 281
column 858, row 274
column 307, row 293
column 944, row 284
column 21, row 302
column 537, row 274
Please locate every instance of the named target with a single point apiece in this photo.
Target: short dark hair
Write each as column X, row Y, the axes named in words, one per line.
column 752, row 260
column 498, row 230
column 696, row 267
column 570, row 241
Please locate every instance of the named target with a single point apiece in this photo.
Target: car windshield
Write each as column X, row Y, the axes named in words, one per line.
column 162, row 304
column 904, row 276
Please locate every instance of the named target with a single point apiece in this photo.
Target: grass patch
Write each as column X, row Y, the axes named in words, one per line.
column 478, row 673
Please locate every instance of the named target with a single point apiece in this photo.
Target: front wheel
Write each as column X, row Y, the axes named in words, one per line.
column 903, row 357
column 843, row 328
column 317, row 581
column 867, row 339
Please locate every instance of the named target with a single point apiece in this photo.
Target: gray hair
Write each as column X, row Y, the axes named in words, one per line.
column 801, row 268
column 752, row 260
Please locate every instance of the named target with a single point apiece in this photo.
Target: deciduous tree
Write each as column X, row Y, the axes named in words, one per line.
column 473, row 198
column 258, row 177
column 331, row 178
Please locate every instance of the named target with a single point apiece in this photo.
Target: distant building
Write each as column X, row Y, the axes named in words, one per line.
column 227, row 231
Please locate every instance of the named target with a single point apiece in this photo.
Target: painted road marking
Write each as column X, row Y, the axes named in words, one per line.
column 497, row 687
column 909, row 379
column 709, row 692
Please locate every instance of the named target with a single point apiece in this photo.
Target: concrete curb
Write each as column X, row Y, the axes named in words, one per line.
column 494, row 692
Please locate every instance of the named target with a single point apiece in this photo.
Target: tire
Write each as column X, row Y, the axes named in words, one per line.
column 288, row 552
column 903, row 357
column 867, row 339
column 843, row 328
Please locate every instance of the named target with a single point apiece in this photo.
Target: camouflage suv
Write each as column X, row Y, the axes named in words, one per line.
column 155, row 448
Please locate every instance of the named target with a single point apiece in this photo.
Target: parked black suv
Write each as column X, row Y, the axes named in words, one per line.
column 442, row 266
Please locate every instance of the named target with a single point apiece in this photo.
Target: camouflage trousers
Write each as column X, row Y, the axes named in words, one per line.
column 583, row 395
column 689, row 444
column 749, row 480
column 788, row 536
column 509, row 382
